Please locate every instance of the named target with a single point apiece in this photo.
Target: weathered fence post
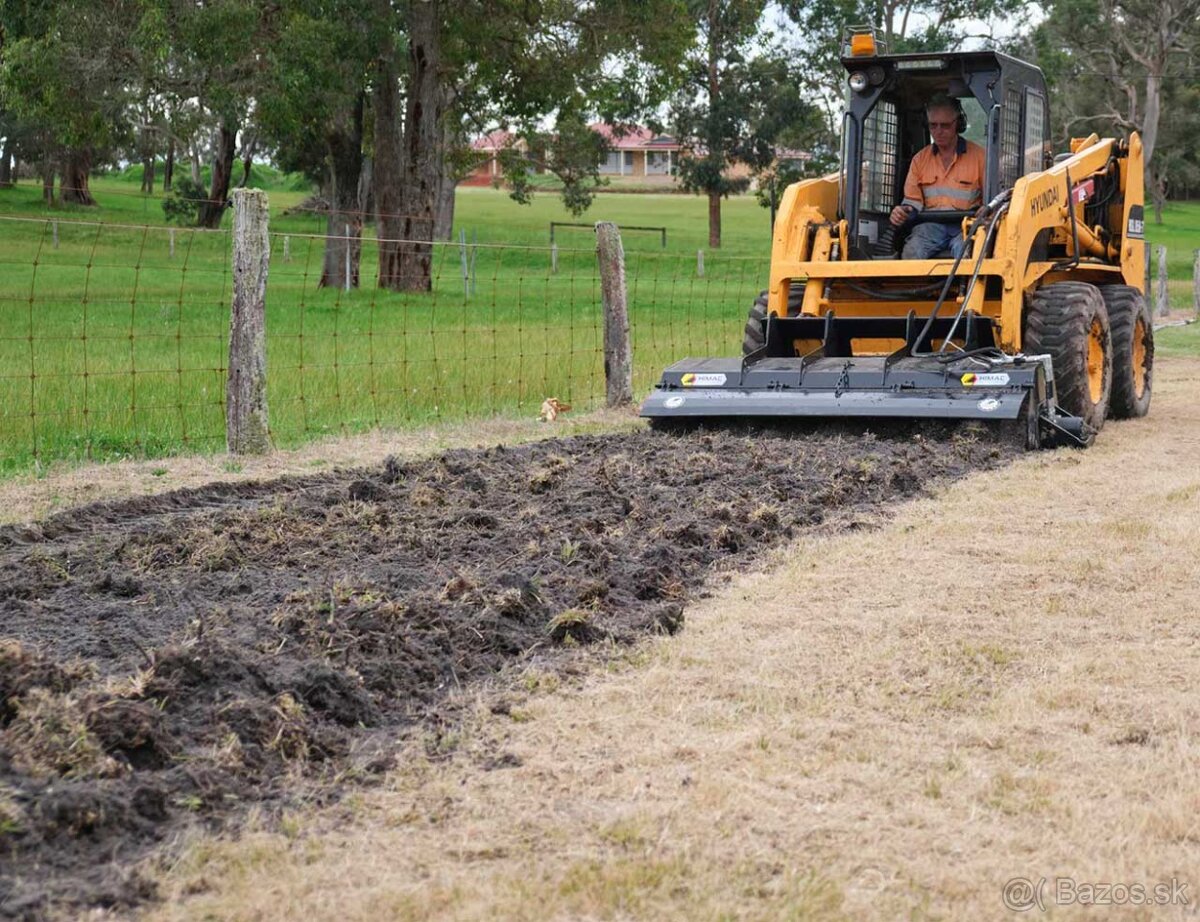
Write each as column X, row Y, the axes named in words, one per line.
column 246, row 429
column 554, row 259
column 171, row 243
column 700, row 263
column 1196, row 283
column 287, row 248
column 618, row 355
column 56, row 235
column 1164, row 305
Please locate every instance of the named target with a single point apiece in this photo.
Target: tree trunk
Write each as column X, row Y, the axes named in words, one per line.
column 148, row 175
column 714, row 103
column 714, row 221
column 343, row 242
column 48, row 180
column 195, row 152
column 169, row 166
column 6, row 165
column 1152, row 112
column 422, row 162
column 1158, row 193
column 386, row 98
column 76, row 170
column 213, row 208
column 366, row 189
column 248, row 160
column 444, row 228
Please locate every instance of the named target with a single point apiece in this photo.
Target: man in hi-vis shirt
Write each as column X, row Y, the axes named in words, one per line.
column 946, row 175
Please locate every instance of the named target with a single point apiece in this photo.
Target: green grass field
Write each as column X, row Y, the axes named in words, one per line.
column 111, row 346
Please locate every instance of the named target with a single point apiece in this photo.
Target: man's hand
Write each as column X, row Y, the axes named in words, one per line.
column 900, row 214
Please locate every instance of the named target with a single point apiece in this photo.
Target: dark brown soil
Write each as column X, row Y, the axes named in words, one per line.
column 176, row 659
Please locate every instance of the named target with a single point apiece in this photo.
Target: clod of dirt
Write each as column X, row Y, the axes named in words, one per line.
column 181, row 657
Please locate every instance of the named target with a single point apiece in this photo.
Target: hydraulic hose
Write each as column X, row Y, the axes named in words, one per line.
column 989, row 238
column 988, row 211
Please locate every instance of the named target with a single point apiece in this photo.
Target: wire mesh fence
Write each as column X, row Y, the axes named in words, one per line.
column 114, row 338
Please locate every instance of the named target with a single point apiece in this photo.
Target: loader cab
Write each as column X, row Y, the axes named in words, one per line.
column 1005, row 104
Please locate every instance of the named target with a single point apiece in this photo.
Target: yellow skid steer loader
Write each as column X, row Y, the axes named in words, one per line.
column 1040, row 320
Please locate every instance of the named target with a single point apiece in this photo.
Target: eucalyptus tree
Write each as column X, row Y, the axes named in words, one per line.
column 740, row 95
column 535, row 57
column 312, row 110
column 66, row 74
column 1119, row 65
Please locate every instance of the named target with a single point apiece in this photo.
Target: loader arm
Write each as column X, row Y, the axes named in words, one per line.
column 1045, row 212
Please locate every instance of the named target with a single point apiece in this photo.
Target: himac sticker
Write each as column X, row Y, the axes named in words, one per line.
column 699, row 379
column 991, row 379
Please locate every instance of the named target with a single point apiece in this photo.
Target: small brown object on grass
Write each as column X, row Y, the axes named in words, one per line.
column 551, row 407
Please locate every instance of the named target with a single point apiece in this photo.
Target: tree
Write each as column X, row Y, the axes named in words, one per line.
column 214, row 51
column 534, row 57
column 902, row 26
column 1112, row 63
column 573, row 152
column 737, row 98
column 67, row 73
column 312, row 110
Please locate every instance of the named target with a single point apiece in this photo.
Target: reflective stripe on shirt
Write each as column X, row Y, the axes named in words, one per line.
column 935, row 186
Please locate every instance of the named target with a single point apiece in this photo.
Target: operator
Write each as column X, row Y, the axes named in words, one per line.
column 946, row 175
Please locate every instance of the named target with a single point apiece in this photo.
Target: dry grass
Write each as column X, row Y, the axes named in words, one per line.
column 35, row 496
column 997, row 683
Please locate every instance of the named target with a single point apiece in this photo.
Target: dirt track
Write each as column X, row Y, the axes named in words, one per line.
column 175, row 660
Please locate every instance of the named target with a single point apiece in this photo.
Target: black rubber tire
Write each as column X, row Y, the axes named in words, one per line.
column 755, row 335
column 1126, row 306
column 1058, row 322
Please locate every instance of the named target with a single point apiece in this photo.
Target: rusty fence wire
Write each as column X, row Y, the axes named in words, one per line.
column 114, row 338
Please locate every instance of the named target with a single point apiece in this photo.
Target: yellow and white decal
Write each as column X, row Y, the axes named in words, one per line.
column 701, row 379
column 992, row 379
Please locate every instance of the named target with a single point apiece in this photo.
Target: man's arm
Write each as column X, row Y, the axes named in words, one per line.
column 913, row 201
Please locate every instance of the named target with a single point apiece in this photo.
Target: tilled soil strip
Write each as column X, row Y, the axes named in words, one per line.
column 176, row 659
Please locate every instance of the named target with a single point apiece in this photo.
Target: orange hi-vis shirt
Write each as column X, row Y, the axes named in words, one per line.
column 936, row 187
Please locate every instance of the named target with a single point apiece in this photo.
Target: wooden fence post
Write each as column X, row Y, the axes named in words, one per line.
column 618, row 355
column 246, row 428
column 700, row 263
column 1196, row 282
column 1164, row 305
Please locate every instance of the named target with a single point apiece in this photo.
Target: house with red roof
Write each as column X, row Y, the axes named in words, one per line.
column 637, row 153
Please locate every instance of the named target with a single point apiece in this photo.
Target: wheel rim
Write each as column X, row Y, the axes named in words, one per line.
column 1095, row 361
column 1139, row 358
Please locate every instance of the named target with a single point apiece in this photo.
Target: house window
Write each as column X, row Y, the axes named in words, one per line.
column 628, row 160
column 658, row 162
column 1035, row 131
column 612, row 163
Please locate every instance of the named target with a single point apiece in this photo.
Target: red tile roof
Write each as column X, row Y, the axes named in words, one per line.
column 636, row 138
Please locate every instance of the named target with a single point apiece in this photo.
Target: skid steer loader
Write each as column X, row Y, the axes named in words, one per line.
column 1040, row 322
